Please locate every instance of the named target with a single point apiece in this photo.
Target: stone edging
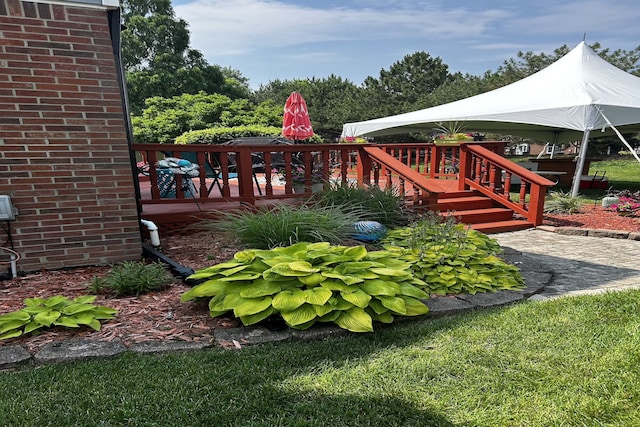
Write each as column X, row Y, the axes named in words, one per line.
column 14, row 356
column 591, row 232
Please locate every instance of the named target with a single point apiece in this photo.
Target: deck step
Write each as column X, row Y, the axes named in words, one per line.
column 485, row 215
column 502, row 226
column 463, row 203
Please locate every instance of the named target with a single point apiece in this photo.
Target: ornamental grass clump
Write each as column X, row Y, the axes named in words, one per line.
column 560, row 202
column 54, row 311
column 133, row 278
column 312, row 282
column 452, row 259
column 384, row 205
column 286, row 225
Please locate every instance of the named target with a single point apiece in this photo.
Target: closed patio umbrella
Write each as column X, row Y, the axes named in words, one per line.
column 296, row 124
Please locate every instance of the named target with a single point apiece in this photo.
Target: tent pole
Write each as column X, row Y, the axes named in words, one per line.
column 624, row 141
column 575, row 187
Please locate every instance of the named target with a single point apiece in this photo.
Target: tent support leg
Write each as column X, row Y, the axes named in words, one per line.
column 580, row 164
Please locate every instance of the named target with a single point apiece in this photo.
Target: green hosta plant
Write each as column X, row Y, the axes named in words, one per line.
column 452, row 259
column 54, row 311
column 312, row 282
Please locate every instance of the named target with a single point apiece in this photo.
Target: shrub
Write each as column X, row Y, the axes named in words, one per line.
column 285, row 225
column 133, row 278
column 54, row 311
column 385, row 206
column 561, row 202
column 451, row 258
column 312, row 282
column 218, row 135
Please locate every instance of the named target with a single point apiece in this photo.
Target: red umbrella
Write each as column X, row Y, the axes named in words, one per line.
column 295, row 121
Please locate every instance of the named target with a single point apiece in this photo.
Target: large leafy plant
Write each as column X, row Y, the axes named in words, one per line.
column 54, row 311
column 452, row 259
column 312, row 282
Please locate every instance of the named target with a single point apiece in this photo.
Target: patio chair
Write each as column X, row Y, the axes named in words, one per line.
column 212, row 168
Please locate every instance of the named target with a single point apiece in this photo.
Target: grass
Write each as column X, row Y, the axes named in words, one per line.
column 571, row 361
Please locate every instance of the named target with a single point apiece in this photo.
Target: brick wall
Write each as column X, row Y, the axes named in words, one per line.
column 64, row 157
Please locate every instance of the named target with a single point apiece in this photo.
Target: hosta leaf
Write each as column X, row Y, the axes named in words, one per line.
column 394, row 304
column 380, row 287
column 12, row 334
column 12, row 324
column 275, row 260
column 251, row 306
column 231, row 301
column 209, row 288
column 355, row 320
column 293, row 249
column 77, row 308
column 322, row 310
column 241, row 277
column 414, row 306
column 66, row 321
column 83, row 318
column 338, row 303
column 95, row 325
column 273, row 276
column 55, row 301
column 304, row 326
column 300, row 315
column 391, row 272
column 412, row 291
column 349, row 280
column 85, row 299
column 231, row 271
column 358, row 298
column 244, row 256
column 260, row 289
column 15, row 315
column 258, row 317
column 318, row 246
column 377, row 306
column 102, row 312
column 393, row 263
column 330, row 316
column 289, row 300
column 352, row 267
column 356, row 253
column 385, row 317
column 47, row 317
column 318, row 296
column 31, row 326
column 367, row 275
column 33, row 302
column 337, row 285
column 312, row 279
column 303, row 267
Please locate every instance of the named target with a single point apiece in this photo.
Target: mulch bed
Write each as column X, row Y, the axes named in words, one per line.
column 160, row 316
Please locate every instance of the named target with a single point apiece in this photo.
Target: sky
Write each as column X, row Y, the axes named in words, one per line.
column 284, row 39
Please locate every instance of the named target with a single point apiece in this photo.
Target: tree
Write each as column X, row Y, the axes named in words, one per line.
column 398, row 89
column 157, row 57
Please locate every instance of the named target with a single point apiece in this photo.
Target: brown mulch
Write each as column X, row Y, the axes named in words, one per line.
column 160, row 316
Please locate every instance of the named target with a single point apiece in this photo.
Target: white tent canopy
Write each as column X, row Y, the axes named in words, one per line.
column 579, row 93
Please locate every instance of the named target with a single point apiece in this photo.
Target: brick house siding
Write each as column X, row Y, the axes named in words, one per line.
column 64, row 154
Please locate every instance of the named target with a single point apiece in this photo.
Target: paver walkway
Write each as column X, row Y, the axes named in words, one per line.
column 580, row 264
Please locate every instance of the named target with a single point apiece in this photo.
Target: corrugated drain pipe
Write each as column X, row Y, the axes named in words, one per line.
column 154, row 253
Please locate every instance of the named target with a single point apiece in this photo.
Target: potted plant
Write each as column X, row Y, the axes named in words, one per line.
column 451, row 133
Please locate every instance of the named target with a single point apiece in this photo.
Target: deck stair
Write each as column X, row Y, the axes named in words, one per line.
column 480, row 212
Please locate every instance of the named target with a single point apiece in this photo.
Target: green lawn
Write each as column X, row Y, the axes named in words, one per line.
column 573, row 361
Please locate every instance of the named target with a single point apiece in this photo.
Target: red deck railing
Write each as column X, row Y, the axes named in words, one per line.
column 249, row 174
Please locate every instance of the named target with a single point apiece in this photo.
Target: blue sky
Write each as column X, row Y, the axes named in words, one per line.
column 284, row 39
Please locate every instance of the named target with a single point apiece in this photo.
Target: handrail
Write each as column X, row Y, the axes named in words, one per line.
column 482, row 170
column 425, row 191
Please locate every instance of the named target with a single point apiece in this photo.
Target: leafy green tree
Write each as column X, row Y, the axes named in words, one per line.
column 157, row 57
column 398, row 89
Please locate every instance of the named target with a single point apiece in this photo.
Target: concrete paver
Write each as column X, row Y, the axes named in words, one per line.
column 580, row 264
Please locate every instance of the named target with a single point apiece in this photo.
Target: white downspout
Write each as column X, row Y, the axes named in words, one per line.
column 153, row 232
